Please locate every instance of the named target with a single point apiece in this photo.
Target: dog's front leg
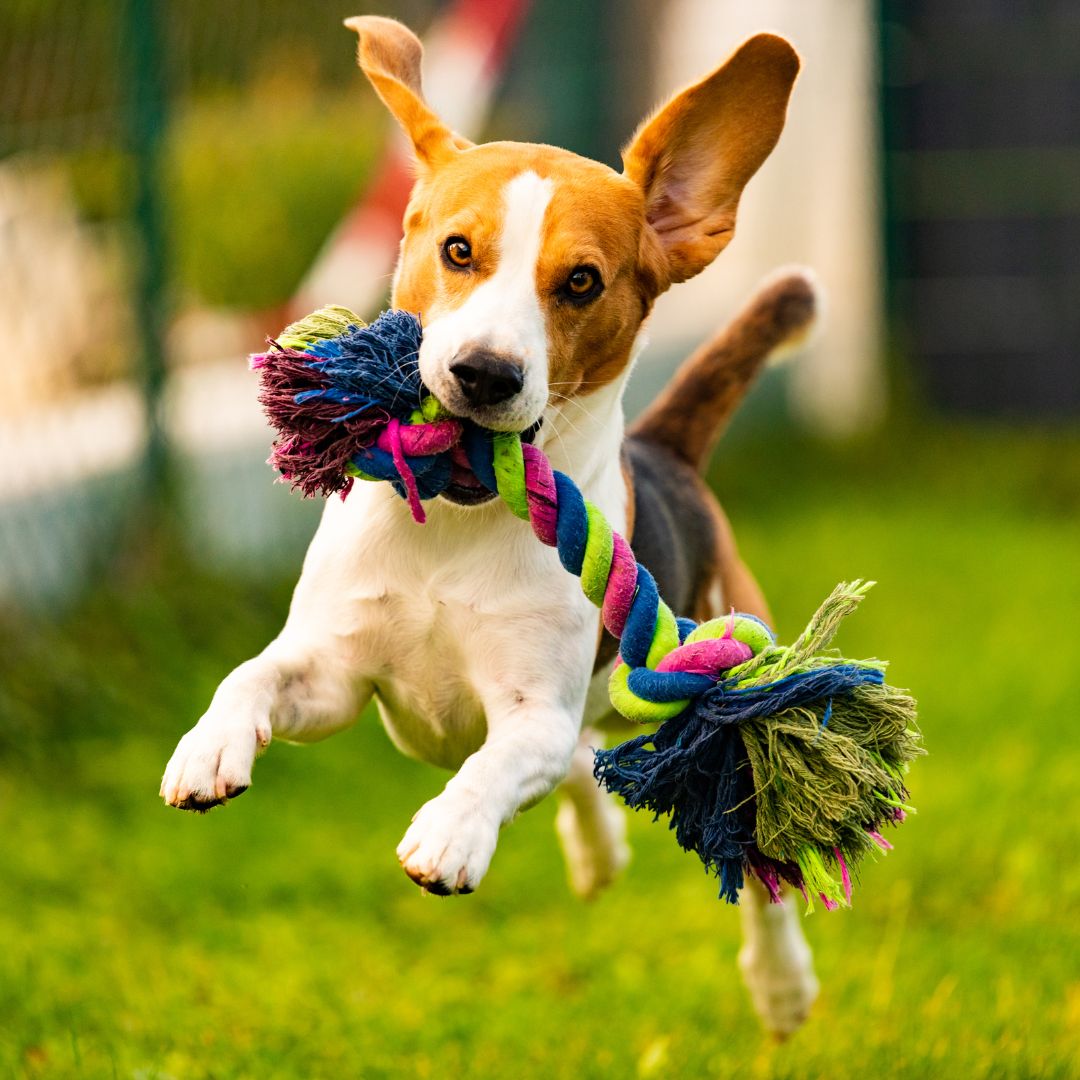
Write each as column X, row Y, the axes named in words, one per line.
column 292, row 690
column 452, row 838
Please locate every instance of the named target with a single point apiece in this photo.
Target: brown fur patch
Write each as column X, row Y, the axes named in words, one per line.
column 674, row 529
column 738, row 586
column 684, row 539
column 390, row 55
column 631, row 501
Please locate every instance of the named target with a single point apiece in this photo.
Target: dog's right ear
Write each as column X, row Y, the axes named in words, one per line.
column 389, row 54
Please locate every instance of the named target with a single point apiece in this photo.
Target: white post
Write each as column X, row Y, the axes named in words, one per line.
column 814, row 202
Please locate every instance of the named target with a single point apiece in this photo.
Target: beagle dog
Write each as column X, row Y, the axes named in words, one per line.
column 533, row 270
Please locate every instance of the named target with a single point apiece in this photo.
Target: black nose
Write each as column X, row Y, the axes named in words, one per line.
column 485, row 379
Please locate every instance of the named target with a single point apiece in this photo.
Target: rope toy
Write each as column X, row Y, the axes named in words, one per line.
column 781, row 763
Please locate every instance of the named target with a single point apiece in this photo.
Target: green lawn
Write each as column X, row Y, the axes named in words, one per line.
column 278, row 937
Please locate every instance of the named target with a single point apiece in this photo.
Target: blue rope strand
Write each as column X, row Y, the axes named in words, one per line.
column 640, row 626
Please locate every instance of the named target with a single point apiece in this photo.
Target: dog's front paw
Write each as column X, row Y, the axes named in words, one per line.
column 448, row 846
column 212, row 763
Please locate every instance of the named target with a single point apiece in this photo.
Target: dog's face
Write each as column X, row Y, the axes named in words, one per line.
column 524, row 263
column 532, row 268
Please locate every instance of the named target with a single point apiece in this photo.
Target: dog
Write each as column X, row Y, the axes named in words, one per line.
column 533, row 270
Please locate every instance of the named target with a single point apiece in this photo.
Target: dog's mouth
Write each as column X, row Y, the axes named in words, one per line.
column 465, row 488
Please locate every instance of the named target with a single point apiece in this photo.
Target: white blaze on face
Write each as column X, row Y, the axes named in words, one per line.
column 503, row 314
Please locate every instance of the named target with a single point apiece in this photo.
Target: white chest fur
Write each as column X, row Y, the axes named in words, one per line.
column 467, row 613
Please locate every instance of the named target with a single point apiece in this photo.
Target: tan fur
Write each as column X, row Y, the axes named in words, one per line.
column 595, row 217
column 663, row 220
column 694, row 156
column 693, row 409
column 738, row 586
column 631, row 508
column 727, row 582
column 390, row 55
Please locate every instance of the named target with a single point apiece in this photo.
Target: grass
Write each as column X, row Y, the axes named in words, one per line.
column 278, row 938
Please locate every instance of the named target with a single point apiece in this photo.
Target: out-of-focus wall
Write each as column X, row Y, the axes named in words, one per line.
column 815, row 201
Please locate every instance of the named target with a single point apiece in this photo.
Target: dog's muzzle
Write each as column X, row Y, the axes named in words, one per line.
column 464, row 488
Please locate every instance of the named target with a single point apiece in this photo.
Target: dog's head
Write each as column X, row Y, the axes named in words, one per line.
column 531, row 267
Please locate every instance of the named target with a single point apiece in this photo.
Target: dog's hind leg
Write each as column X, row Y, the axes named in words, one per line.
column 775, row 960
column 591, row 826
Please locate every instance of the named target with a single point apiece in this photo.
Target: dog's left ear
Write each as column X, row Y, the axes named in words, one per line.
column 695, row 155
column 389, row 54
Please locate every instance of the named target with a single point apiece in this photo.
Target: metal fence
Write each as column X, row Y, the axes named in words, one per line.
column 140, row 262
column 982, row 126
column 168, row 174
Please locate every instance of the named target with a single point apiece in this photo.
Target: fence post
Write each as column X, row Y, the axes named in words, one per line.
column 147, row 110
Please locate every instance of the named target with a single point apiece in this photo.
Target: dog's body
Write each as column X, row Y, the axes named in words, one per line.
column 533, row 270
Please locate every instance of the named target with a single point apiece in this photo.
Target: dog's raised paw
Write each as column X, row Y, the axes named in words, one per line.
column 212, row 764
column 448, row 847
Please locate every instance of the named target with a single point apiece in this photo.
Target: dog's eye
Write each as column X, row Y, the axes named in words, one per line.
column 583, row 283
column 458, row 252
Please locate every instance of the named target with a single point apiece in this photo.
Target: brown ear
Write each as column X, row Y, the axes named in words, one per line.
column 694, row 156
column 389, row 54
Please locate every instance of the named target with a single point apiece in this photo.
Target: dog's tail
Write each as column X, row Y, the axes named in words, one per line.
column 695, row 407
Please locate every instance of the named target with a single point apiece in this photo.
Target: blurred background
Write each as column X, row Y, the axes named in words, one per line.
column 178, row 180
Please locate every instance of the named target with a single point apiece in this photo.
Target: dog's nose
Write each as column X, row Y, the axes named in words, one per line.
column 485, row 379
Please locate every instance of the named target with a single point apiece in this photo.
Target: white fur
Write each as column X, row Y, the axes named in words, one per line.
column 477, row 645
column 808, row 335
column 502, row 314
column 591, row 827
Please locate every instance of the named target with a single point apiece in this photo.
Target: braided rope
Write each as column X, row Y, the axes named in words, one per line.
column 826, row 742
column 664, row 662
